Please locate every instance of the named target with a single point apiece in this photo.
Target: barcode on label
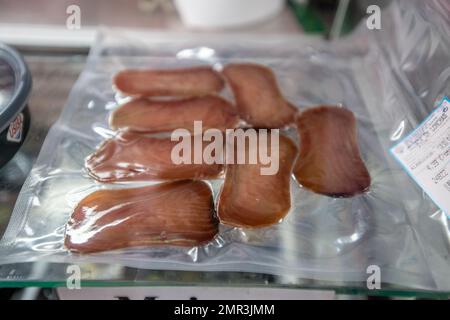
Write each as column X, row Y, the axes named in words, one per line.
column 447, row 185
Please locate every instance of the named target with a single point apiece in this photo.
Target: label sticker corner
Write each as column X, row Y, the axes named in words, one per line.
column 425, row 155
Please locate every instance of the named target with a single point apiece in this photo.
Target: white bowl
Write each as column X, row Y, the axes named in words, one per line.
column 226, row 13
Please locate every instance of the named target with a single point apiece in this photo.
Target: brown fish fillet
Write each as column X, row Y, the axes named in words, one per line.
column 145, row 115
column 329, row 162
column 134, row 157
column 188, row 82
column 258, row 98
column 250, row 199
column 177, row 213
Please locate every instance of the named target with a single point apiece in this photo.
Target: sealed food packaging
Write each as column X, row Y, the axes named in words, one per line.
column 392, row 224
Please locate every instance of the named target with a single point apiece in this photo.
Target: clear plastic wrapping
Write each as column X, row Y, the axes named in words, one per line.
column 394, row 226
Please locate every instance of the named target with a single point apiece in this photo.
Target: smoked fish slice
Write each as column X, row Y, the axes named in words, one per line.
column 258, row 98
column 187, row 82
column 134, row 157
column 145, row 115
column 329, row 162
column 249, row 199
column 176, row 213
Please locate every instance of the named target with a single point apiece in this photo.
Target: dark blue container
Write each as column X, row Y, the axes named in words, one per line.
column 15, row 88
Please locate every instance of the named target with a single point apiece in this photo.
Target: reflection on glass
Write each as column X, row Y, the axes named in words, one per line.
column 6, row 84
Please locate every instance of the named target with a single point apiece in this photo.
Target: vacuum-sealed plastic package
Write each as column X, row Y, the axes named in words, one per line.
column 331, row 232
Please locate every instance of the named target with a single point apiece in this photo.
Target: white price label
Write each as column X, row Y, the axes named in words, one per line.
column 425, row 155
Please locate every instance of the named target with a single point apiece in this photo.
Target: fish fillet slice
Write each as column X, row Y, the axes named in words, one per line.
column 134, row 157
column 249, row 199
column 329, row 162
column 145, row 115
column 258, row 98
column 177, row 213
column 188, row 82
